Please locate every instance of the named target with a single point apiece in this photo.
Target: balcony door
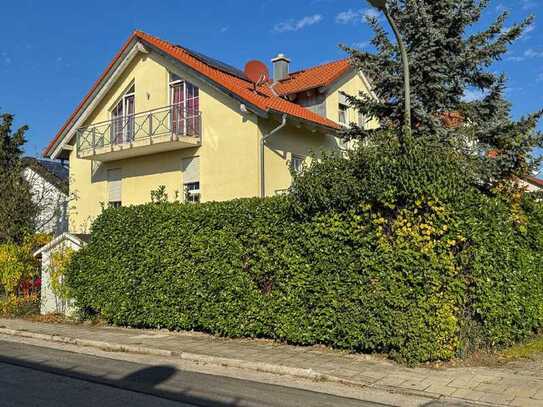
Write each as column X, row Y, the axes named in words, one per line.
column 122, row 118
column 185, row 107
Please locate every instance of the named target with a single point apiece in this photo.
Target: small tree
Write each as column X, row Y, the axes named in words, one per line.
column 60, row 260
column 446, row 60
column 17, row 262
column 17, row 210
column 159, row 195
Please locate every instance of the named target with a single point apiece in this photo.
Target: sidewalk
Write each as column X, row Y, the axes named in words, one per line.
column 519, row 384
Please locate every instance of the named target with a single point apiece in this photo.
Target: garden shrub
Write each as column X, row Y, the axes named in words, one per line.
column 421, row 266
column 23, row 306
column 17, row 262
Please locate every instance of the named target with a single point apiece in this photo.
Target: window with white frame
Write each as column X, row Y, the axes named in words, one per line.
column 122, row 117
column 343, row 109
column 342, row 115
column 297, row 163
column 191, row 179
column 185, row 107
column 192, row 192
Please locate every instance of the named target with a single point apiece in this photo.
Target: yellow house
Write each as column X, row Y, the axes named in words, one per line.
column 162, row 114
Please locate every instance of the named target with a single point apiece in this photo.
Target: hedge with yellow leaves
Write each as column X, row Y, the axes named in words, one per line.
column 408, row 260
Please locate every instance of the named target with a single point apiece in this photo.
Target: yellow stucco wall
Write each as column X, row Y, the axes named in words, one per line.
column 289, row 141
column 229, row 153
column 351, row 84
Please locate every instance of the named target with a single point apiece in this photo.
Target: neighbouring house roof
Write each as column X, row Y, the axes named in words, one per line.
column 452, row 120
column 54, row 172
column 230, row 81
column 79, row 240
column 315, row 77
column 538, row 182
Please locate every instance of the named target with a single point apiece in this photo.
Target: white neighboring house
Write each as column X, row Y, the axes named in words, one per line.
column 49, row 187
column 533, row 184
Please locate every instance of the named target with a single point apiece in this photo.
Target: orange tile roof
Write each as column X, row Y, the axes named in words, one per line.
column 321, row 75
column 452, row 120
column 263, row 98
column 47, row 150
column 535, row 181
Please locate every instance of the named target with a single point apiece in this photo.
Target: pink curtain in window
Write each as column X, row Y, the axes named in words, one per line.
column 178, row 108
column 193, row 108
column 117, row 124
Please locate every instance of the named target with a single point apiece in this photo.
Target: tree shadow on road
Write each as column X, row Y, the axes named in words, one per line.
column 148, row 380
column 165, row 381
column 151, row 376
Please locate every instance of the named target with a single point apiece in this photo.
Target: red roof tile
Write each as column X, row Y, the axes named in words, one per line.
column 263, row 99
column 535, row 181
column 321, row 75
column 48, row 149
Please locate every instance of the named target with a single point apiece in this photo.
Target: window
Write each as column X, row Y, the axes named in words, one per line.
column 122, row 118
column 192, row 192
column 191, row 179
column 114, row 183
column 185, row 107
column 342, row 113
column 297, row 163
column 343, row 108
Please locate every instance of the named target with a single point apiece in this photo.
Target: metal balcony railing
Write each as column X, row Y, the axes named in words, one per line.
column 174, row 121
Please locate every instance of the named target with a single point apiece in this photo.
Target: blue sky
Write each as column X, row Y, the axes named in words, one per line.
column 52, row 51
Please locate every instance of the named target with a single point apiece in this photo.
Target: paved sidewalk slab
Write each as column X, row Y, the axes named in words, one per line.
column 516, row 385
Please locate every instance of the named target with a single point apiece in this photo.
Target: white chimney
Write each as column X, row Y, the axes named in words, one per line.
column 280, row 67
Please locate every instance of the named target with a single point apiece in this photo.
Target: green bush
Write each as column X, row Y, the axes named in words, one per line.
column 23, row 306
column 246, row 268
column 503, row 266
column 420, row 272
column 380, row 172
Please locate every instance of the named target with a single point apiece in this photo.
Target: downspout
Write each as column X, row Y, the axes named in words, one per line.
column 262, row 146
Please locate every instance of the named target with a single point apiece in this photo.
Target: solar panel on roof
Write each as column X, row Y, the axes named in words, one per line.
column 215, row 63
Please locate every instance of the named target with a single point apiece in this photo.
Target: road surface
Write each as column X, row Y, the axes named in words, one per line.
column 38, row 376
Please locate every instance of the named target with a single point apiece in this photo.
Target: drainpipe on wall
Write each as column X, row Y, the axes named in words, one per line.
column 262, row 146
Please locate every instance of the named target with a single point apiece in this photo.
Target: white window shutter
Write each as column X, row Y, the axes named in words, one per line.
column 191, row 170
column 114, row 181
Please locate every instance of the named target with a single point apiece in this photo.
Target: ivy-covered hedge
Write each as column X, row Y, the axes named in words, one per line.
column 435, row 282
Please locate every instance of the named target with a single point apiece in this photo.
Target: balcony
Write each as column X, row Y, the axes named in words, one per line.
column 164, row 129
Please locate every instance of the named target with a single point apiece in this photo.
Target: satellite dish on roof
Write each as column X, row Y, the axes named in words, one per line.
column 257, row 71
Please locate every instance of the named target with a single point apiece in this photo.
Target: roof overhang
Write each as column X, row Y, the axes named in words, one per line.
column 134, row 45
column 127, row 54
column 536, row 182
column 58, row 240
column 298, row 121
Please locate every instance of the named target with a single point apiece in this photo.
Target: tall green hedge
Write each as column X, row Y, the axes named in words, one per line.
column 428, row 286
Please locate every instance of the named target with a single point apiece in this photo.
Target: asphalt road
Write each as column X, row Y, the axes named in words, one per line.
column 37, row 376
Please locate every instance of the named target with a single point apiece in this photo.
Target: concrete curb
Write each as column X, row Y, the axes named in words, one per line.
column 228, row 362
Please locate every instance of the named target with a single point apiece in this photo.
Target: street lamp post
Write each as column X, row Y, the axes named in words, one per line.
column 382, row 5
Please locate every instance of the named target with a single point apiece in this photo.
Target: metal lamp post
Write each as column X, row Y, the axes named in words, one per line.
column 382, row 6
